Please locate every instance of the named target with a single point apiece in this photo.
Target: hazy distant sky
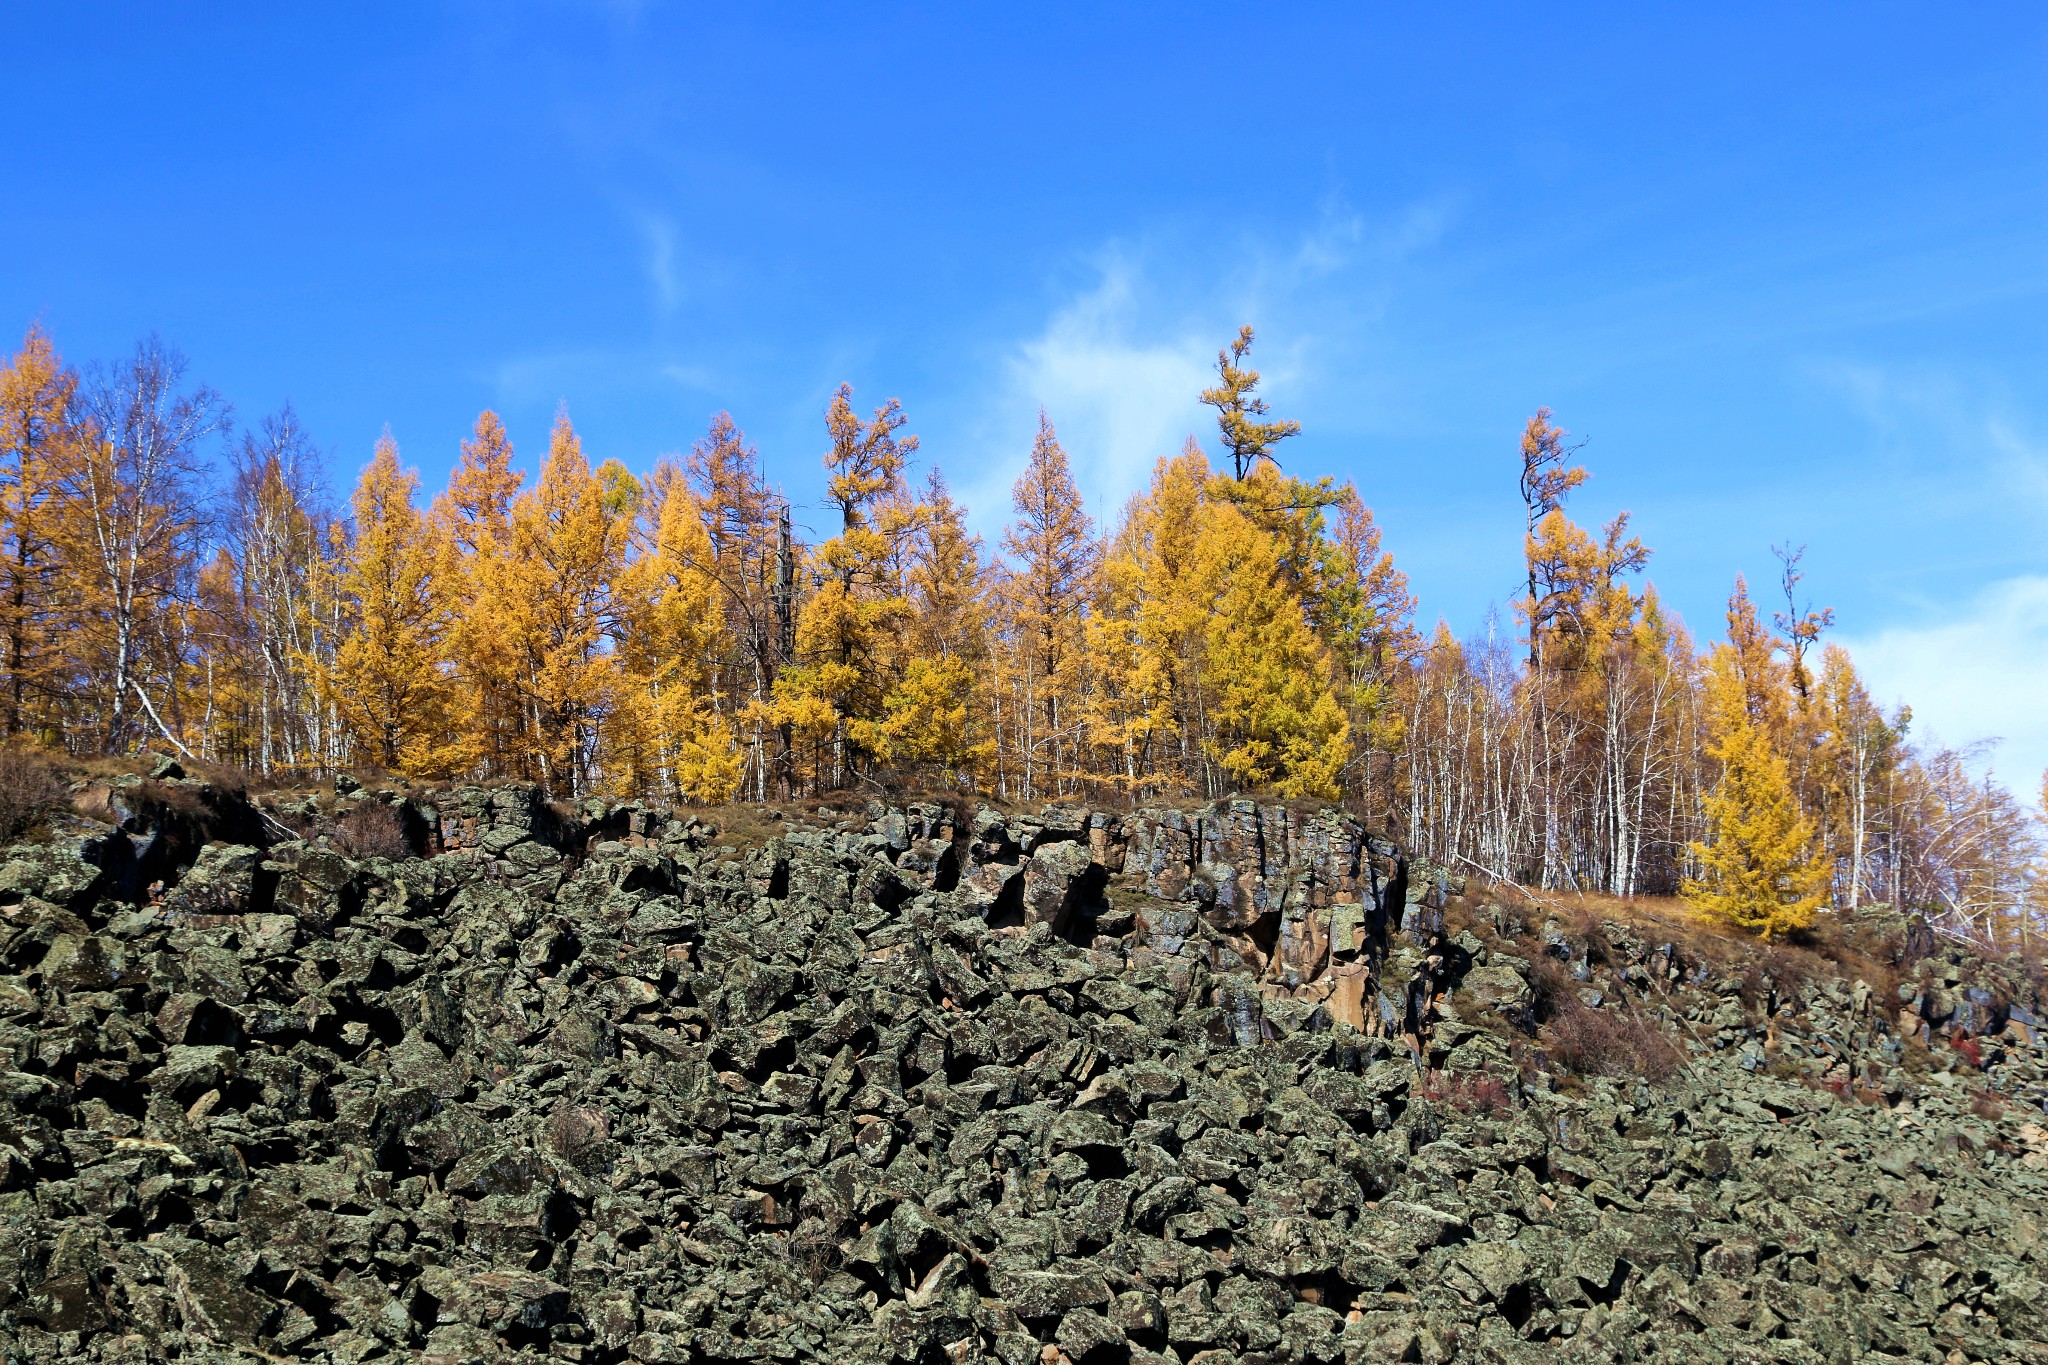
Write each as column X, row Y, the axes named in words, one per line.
column 1784, row 265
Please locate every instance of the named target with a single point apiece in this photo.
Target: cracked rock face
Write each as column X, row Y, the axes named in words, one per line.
column 928, row 1085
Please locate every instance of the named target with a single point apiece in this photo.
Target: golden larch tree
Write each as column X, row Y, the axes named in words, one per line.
column 1052, row 544
column 933, row 714
column 474, row 515
column 667, row 737
column 551, row 599
column 849, row 631
column 38, row 439
column 1757, row 865
column 1238, row 409
column 389, row 681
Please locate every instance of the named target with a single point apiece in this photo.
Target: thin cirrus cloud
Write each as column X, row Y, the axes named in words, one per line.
column 658, row 235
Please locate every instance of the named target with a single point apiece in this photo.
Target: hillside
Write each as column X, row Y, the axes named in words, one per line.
column 463, row 1075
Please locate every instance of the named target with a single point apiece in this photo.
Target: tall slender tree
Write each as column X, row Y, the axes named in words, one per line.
column 38, row 446
column 1052, row 542
column 389, row 682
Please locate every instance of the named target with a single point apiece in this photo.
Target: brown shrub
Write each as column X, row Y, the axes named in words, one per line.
column 29, row 790
column 172, row 796
column 372, row 830
column 1551, row 987
column 1609, row 1042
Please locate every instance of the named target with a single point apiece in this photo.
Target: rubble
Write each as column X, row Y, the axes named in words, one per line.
column 927, row 1084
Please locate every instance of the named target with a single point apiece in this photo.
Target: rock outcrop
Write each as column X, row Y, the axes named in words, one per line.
column 475, row 1077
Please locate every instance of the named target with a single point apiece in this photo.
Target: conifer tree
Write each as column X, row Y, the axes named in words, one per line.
column 668, row 737
column 1219, row 660
column 388, row 681
column 476, row 509
column 1545, row 482
column 1369, row 623
column 741, row 517
column 848, row 631
column 1278, row 721
column 552, row 592
column 1053, row 543
column 38, row 439
column 932, row 714
column 1757, row 868
column 1247, row 440
column 475, row 518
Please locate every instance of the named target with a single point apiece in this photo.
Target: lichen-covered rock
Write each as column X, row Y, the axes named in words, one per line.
column 921, row 1084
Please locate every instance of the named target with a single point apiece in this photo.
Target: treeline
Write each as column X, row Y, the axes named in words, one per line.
column 670, row 634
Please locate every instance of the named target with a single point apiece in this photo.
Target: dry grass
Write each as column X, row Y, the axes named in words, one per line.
column 742, row 824
column 1834, row 948
column 29, row 791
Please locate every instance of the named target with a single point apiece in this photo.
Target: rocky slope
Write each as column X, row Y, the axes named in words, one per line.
column 469, row 1077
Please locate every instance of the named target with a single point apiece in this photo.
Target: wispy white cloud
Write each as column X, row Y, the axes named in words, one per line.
column 1121, row 393
column 1119, row 365
column 658, row 234
column 1975, row 671
column 2022, row 459
column 549, row 377
column 1929, row 413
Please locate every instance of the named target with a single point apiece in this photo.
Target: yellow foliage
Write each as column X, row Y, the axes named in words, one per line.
column 37, row 441
column 1758, row 869
column 666, row 736
column 537, row 638
column 388, row 682
column 1215, row 653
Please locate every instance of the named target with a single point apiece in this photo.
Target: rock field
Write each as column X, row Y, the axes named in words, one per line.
column 467, row 1076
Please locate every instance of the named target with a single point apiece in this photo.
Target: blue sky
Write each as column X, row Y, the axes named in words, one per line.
column 1785, row 266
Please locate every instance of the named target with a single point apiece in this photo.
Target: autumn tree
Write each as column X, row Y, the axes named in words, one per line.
column 1369, row 623
column 746, row 557
column 1238, row 408
column 847, row 632
column 38, row 446
column 1546, row 480
column 1799, row 625
column 1757, row 868
column 1214, row 654
column 388, row 682
column 474, row 518
column 476, row 511
column 667, row 736
column 1594, row 669
column 1052, row 544
column 933, row 715
column 551, row 596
